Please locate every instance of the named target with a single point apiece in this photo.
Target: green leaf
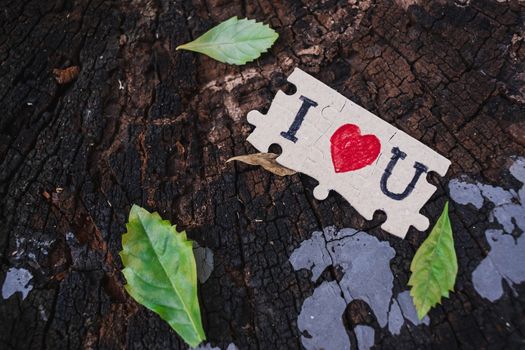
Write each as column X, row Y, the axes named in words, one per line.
column 234, row 41
column 434, row 267
column 160, row 272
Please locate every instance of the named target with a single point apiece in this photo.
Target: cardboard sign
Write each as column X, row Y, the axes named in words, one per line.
column 372, row 164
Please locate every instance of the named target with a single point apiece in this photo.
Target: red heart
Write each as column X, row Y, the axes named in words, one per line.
column 351, row 150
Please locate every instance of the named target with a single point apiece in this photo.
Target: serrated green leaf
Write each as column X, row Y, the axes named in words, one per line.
column 235, row 41
column 160, row 272
column 434, row 267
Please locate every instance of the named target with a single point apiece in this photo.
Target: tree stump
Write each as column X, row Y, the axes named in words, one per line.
column 99, row 111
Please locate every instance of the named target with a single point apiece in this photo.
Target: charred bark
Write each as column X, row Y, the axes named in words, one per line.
column 142, row 123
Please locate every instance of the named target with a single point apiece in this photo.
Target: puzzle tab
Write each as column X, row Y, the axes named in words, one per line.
column 347, row 149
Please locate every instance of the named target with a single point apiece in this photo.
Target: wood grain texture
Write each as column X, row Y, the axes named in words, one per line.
column 145, row 124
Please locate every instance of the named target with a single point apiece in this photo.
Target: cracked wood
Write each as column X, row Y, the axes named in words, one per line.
column 143, row 123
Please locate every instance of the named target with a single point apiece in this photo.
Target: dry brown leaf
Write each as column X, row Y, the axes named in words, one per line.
column 267, row 161
column 66, row 75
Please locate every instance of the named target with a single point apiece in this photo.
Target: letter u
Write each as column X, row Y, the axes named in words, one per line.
column 420, row 169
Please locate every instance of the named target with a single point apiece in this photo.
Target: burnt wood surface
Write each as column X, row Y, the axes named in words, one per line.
column 143, row 123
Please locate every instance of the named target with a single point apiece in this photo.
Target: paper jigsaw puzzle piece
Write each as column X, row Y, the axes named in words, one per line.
column 269, row 126
column 356, row 187
column 346, row 148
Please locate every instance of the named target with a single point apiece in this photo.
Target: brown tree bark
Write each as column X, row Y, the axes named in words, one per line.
column 142, row 123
